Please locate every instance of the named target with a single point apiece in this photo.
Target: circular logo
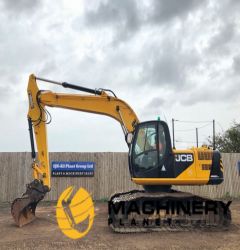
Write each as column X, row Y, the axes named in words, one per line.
column 75, row 213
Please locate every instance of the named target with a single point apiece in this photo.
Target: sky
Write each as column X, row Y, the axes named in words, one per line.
column 173, row 59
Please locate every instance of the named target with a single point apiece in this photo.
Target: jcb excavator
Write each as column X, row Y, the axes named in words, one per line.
column 153, row 163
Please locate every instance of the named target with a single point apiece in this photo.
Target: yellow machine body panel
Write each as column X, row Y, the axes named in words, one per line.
column 195, row 174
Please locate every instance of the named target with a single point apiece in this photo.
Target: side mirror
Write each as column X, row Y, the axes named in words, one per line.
column 129, row 138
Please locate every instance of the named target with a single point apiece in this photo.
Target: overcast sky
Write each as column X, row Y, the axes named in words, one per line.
column 173, row 59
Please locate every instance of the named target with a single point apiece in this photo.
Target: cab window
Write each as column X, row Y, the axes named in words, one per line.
column 145, row 147
column 161, row 142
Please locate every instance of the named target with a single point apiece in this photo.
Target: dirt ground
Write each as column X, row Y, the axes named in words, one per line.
column 44, row 233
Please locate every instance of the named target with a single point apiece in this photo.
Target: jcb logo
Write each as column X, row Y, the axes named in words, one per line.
column 184, row 158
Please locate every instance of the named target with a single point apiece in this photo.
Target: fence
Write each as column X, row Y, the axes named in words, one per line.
column 111, row 175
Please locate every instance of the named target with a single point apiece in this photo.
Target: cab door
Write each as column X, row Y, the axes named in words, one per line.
column 151, row 153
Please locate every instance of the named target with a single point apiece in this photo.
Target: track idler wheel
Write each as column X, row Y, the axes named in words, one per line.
column 23, row 209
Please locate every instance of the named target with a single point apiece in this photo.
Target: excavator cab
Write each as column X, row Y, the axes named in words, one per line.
column 151, row 153
column 155, row 165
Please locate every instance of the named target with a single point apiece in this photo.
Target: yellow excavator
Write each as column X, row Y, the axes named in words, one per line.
column 153, row 163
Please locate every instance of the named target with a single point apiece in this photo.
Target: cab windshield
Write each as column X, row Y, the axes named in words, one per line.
column 149, row 146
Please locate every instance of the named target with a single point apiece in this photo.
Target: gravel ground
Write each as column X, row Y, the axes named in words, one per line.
column 44, row 233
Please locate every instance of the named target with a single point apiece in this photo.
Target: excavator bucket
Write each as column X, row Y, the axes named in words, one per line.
column 23, row 209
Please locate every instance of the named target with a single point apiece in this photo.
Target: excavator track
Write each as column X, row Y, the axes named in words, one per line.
column 217, row 218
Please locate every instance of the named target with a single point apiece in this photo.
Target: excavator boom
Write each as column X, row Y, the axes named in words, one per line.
column 99, row 102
